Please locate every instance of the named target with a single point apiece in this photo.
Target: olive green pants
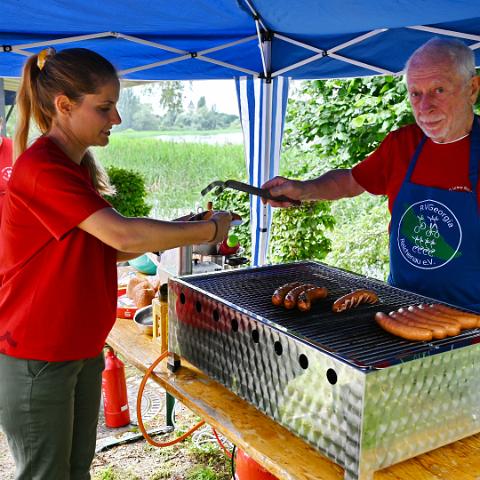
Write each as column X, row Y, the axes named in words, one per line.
column 49, row 413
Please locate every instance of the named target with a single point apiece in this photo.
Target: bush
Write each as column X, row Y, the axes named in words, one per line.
column 360, row 238
column 299, row 233
column 238, row 202
column 130, row 195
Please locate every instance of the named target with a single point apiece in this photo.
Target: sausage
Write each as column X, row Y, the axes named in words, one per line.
column 451, row 330
column 353, row 299
column 292, row 296
column 438, row 331
column 307, row 297
column 279, row 294
column 399, row 329
column 467, row 320
column 453, row 327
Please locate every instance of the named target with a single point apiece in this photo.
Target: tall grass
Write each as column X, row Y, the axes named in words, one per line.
column 175, row 173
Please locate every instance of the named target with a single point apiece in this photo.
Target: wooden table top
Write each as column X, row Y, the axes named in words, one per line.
column 282, row 453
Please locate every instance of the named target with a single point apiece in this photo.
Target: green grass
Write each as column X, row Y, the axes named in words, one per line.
column 129, row 133
column 174, row 173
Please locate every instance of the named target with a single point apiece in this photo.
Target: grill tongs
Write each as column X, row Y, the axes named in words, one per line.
column 245, row 187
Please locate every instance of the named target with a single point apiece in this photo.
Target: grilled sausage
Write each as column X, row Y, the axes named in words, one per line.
column 353, row 299
column 307, row 297
column 399, row 329
column 279, row 294
column 451, row 330
column 453, row 327
column 467, row 320
column 292, row 296
column 407, row 318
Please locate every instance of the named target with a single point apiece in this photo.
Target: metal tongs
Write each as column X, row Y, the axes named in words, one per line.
column 245, row 187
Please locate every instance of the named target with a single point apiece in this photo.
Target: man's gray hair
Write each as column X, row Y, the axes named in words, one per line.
column 454, row 50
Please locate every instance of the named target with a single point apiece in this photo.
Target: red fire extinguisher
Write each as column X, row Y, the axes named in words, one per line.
column 248, row 469
column 114, row 389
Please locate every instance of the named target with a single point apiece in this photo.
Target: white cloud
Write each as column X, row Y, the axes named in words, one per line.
column 220, row 93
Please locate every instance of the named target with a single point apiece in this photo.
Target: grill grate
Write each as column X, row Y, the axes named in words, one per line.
column 353, row 336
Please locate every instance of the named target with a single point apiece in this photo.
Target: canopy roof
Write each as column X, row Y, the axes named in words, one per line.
column 209, row 39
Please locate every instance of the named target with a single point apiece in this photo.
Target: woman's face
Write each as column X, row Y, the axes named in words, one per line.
column 92, row 119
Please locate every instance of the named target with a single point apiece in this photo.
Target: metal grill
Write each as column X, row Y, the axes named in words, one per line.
column 351, row 336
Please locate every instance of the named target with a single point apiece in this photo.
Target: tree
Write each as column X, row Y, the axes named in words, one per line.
column 201, row 104
column 171, row 97
column 342, row 121
column 128, row 104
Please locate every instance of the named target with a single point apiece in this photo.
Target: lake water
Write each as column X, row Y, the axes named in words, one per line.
column 220, row 139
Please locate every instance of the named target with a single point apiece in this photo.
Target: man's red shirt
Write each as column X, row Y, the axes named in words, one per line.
column 444, row 165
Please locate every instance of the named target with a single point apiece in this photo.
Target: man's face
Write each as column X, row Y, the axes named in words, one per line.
column 441, row 98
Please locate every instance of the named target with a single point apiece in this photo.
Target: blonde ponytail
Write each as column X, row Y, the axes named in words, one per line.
column 73, row 72
column 99, row 176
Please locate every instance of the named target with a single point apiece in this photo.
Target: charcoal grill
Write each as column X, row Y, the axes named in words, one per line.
column 364, row 398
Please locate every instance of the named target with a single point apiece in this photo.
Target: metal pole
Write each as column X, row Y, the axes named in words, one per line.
column 3, row 129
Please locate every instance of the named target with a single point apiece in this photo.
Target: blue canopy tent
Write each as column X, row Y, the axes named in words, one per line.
column 261, row 43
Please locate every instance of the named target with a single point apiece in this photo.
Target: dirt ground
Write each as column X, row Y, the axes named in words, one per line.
column 197, row 458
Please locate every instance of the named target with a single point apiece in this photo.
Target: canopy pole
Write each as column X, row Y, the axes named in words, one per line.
column 3, row 130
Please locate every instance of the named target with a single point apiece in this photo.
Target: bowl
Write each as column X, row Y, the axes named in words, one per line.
column 143, row 319
column 144, row 265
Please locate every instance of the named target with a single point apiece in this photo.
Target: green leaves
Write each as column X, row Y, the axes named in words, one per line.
column 342, row 121
column 129, row 199
column 298, row 233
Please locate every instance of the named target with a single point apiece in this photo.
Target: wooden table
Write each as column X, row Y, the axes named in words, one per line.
column 279, row 451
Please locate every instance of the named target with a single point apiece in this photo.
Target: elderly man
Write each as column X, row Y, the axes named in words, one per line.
column 429, row 171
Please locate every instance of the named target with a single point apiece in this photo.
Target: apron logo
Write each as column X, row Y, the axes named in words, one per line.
column 429, row 235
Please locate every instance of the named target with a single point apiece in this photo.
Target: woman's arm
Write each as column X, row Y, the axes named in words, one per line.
column 133, row 235
column 125, row 256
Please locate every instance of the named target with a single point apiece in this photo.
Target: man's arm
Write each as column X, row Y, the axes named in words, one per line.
column 333, row 185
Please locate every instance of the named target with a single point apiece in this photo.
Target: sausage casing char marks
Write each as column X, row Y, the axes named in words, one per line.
column 292, row 296
column 279, row 294
column 354, row 299
column 309, row 296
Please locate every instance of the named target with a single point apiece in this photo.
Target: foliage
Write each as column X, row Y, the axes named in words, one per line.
column 175, row 172
column 237, row 202
column 360, row 238
column 342, row 121
column 300, row 233
column 130, row 195
column 336, row 124
column 107, row 474
column 202, row 473
column 201, row 120
column 168, row 95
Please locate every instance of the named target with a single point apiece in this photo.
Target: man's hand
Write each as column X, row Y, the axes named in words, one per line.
column 283, row 186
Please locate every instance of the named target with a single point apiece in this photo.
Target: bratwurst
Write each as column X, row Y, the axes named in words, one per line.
column 279, row 294
column 309, row 296
column 395, row 327
column 354, row 299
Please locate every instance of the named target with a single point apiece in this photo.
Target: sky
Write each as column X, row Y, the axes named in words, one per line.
column 220, row 93
column 216, row 92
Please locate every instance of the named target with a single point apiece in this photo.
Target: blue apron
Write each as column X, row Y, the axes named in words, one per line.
column 435, row 237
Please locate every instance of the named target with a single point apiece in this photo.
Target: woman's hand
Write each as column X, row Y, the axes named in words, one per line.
column 222, row 221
